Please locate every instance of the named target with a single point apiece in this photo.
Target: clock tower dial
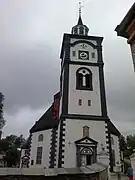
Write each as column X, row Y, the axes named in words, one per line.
column 84, row 55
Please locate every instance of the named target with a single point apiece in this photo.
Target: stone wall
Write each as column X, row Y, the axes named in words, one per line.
column 59, row 177
column 51, row 174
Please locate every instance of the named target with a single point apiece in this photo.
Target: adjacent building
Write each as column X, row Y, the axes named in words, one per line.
column 126, row 29
column 76, row 129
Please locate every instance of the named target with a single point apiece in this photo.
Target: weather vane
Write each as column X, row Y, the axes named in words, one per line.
column 80, row 8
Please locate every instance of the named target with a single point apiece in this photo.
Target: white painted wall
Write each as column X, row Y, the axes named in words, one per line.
column 74, row 132
column 92, row 41
column 116, row 148
column 78, row 47
column 46, row 148
column 75, row 95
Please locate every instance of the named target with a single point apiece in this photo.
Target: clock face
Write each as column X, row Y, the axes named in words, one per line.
column 84, row 55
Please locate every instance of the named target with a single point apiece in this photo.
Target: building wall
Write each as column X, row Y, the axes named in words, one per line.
column 78, row 47
column 74, row 132
column 116, row 148
column 46, row 148
column 75, row 94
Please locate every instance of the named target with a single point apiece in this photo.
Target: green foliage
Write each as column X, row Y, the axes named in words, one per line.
column 131, row 142
column 127, row 145
column 2, row 121
column 12, row 157
column 122, row 143
column 9, row 146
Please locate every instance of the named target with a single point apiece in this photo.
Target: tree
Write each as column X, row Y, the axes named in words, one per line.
column 123, row 144
column 131, row 142
column 2, row 121
column 12, row 157
column 127, row 145
column 10, row 147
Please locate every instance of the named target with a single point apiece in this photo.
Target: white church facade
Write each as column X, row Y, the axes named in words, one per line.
column 76, row 128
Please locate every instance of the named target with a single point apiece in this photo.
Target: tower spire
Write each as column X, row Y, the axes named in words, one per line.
column 80, row 28
column 80, row 13
column 80, row 9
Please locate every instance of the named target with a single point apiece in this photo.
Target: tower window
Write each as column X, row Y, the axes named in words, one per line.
column 74, row 53
column 89, row 102
column 84, row 79
column 93, row 55
column 80, row 102
column 40, row 138
column 39, row 155
column 85, row 131
column 81, row 29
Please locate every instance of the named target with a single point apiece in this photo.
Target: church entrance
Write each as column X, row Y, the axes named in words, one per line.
column 86, row 157
column 86, row 149
column 88, row 160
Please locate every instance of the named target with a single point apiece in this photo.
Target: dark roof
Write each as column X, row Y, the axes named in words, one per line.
column 45, row 122
column 121, row 28
column 113, row 129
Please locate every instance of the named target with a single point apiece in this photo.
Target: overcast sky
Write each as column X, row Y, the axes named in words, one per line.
column 31, row 33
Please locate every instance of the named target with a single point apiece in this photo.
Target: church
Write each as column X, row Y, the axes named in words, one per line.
column 76, row 128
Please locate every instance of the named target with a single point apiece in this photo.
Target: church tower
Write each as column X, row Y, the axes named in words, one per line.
column 84, row 127
column 83, row 115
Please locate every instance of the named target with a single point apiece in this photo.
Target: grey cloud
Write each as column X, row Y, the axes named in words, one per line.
column 30, row 38
column 31, row 77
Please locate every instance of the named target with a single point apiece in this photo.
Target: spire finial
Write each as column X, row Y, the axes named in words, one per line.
column 80, row 8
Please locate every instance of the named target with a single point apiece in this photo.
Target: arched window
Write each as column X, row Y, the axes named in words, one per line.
column 40, row 138
column 84, row 79
column 85, row 131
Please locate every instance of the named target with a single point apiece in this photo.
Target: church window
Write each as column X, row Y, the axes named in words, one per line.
column 39, row 155
column 89, row 102
column 113, row 157
column 112, row 141
column 80, row 102
column 85, row 131
column 74, row 53
column 93, row 55
column 84, row 79
column 40, row 138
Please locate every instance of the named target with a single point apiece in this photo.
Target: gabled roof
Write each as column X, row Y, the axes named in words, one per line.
column 113, row 129
column 45, row 122
column 121, row 28
column 84, row 139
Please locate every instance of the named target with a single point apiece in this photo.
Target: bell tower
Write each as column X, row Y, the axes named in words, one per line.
column 83, row 100
column 82, row 77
